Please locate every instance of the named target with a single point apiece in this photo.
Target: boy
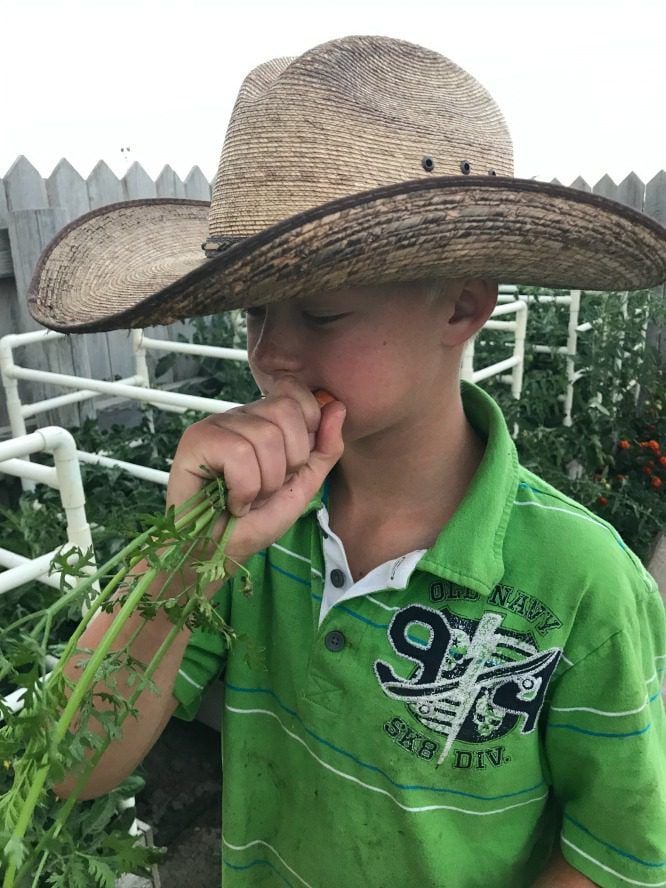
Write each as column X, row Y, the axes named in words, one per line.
column 460, row 664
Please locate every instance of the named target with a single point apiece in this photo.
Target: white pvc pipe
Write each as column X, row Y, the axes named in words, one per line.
column 509, row 326
column 508, row 308
column 23, row 468
column 557, row 300
column 519, row 352
column 140, row 362
column 13, row 559
column 139, row 471
column 16, row 340
column 133, row 393
column 572, row 344
column 13, row 399
column 17, row 447
column 190, row 348
column 63, row 447
column 29, row 569
column 14, row 701
column 494, row 369
column 467, row 363
column 61, row 400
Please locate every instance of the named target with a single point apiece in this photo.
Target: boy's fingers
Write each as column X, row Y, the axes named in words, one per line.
column 272, row 463
column 269, row 518
column 289, row 387
column 242, row 476
column 287, row 419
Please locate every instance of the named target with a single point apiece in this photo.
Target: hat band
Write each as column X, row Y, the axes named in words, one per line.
column 216, row 245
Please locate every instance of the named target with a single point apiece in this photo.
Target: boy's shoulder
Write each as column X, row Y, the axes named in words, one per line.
column 577, row 555
column 562, row 522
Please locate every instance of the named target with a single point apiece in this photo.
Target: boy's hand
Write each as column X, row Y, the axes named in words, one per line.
column 273, row 454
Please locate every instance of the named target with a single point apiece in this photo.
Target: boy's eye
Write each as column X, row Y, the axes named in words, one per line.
column 320, row 320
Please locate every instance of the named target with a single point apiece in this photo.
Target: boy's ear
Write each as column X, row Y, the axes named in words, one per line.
column 471, row 303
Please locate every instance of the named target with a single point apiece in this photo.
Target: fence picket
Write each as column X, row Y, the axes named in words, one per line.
column 631, row 191
column 580, row 184
column 66, row 188
column 104, row 187
column 4, row 210
column 24, row 187
column 168, row 184
column 197, row 187
column 137, row 184
column 655, row 197
column 606, row 188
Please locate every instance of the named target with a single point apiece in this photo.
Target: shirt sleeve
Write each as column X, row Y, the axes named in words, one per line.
column 606, row 750
column 204, row 660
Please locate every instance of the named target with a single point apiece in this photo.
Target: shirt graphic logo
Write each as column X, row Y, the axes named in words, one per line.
column 472, row 680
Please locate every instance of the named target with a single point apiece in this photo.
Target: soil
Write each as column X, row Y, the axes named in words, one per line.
column 182, row 802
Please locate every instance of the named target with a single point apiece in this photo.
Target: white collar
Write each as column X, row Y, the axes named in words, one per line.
column 394, row 574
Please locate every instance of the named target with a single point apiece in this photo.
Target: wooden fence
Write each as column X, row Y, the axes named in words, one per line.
column 33, row 210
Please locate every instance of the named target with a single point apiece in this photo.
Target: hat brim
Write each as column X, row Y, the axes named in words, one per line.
column 140, row 263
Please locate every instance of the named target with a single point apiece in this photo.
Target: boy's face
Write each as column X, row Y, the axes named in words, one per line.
column 385, row 352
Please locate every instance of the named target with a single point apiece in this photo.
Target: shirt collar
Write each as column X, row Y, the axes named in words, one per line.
column 469, row 550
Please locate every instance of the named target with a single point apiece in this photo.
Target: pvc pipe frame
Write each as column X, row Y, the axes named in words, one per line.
column 66, row 476
column 507, row 305
column 136, row 387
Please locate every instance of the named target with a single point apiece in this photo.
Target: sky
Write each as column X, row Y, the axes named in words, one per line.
column 581, row 82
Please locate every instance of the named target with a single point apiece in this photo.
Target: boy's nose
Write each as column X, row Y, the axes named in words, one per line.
column 273, row 346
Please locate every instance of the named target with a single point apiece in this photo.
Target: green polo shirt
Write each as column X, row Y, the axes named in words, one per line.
column 448, row 733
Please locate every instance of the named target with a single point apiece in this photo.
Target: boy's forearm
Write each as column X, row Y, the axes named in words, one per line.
column 153, row 710
column 560, row 874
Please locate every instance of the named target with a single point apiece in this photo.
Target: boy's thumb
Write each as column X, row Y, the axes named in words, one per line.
column 329, row 445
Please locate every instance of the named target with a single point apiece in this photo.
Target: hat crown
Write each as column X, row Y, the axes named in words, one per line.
column 348, row 116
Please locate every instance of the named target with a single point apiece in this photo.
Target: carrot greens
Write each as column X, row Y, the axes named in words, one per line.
column 50, row 733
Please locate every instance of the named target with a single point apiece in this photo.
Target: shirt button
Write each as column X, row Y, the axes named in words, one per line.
column 338, row 578
column 334, row 640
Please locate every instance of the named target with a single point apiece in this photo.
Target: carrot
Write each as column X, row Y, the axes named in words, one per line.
column 323, row 397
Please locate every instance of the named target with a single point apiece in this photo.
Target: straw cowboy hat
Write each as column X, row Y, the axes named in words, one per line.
column 363, row 161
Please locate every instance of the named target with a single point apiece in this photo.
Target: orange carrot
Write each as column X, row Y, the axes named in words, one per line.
column 323, row 397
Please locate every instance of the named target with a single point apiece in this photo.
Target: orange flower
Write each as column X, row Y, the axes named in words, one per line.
column 655, row 482
column 662, row 460
column 623, row 444
column 653, row 446
column 602, row 501
column 647, row 470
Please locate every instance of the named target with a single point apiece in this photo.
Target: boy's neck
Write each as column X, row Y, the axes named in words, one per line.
column 399, row 489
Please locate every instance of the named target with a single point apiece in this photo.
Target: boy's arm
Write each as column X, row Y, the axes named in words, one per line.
column 274, row 456
column 605, row 736
column 560, row 874
column 153, row 709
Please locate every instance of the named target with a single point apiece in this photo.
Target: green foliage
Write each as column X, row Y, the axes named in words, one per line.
column 41, row 838
column 96, row 846
column 227, row 380
column 619, row 397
